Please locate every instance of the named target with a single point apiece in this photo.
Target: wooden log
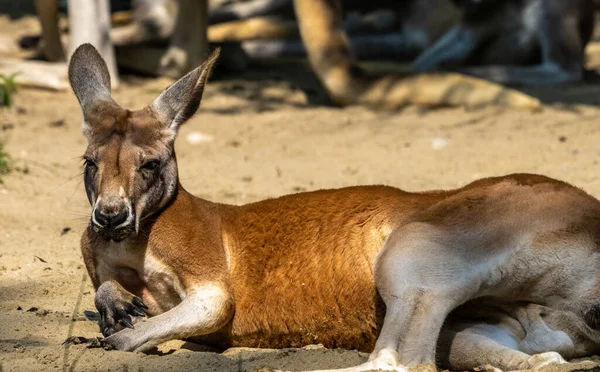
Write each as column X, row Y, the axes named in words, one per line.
column 36, row 74
column 267, row 27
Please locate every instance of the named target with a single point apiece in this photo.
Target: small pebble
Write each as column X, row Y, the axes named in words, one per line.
column 439, row 143
column 195, row 138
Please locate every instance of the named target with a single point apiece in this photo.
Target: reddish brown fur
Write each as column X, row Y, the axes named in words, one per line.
column 276, row 246
column 298, row 269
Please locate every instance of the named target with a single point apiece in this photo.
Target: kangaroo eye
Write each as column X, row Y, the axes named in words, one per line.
column 90, row 165
column 152, row 165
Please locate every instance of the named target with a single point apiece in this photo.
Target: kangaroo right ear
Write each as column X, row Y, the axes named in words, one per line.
column 179, row 102
column 89, row 76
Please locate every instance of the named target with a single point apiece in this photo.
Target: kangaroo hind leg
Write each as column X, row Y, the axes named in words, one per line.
column 421, row 278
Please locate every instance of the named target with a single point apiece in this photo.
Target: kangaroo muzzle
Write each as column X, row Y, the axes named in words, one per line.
column 113, row 218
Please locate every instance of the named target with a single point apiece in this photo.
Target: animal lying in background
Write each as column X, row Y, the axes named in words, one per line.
column 529, row 42
column 321, row 27
column 532, row 42
column 372, row 268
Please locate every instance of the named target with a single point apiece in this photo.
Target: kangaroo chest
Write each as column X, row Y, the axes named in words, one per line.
column 143, row 275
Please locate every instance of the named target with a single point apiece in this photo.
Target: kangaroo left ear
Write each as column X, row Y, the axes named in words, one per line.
column 89, row 76
column 180, row 101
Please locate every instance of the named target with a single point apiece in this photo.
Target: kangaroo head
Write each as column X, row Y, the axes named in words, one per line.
column 130, row 165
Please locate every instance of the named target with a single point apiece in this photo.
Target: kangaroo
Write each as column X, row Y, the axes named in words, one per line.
column 372, row 268
column 533, row 42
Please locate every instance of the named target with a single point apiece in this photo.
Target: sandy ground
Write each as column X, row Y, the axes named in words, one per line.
column 256, row 136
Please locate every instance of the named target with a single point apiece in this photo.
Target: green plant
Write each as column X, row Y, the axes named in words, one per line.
column 4, row 161
column 8, row 86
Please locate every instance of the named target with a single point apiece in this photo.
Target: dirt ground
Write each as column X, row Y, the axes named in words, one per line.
column 256, row 136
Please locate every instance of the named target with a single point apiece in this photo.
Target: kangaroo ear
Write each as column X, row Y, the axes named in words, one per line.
column 180, row 101
column 89, row 76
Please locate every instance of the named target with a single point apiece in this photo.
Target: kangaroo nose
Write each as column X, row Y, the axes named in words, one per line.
column 112, row 220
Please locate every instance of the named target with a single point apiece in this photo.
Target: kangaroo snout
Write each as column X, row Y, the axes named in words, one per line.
column 113, row 220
